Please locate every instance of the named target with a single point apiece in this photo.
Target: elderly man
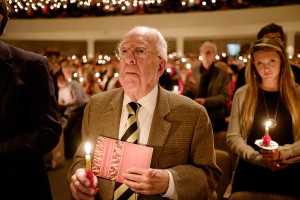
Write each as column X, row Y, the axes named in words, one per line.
column 179, row 130
column 29, row 121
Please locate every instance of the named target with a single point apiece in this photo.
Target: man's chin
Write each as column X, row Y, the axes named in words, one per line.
column 131, row 86
column 131, row 82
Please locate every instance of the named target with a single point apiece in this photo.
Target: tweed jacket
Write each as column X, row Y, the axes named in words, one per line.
column 236, row 137
column 29, row 122
column 181, row 135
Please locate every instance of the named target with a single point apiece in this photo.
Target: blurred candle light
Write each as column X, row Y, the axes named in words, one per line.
column 176, row 88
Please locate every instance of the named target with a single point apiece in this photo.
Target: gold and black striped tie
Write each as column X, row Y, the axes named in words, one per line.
column 123, row 192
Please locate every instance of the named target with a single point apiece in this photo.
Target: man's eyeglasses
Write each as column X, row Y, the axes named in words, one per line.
column 140, row 52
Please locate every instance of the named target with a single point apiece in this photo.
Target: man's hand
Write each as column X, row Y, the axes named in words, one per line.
column 81, row 186
column 191, row 84
column 200, row 101
column 147, row 181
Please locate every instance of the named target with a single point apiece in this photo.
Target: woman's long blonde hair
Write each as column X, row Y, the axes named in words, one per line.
column 286, row 86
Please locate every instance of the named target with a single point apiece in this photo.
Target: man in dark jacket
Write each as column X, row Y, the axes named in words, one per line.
column 209, row 85
column 29, row 121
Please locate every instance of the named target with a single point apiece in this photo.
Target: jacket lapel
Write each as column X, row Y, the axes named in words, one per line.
column 212, row 82
column 160, row 127
column 112, row 115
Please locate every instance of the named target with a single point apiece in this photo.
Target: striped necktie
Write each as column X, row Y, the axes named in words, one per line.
column 123, row 192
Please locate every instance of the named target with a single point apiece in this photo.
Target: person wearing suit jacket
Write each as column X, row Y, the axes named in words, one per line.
column 29, row 121
column 183, row 164
column 209, row 85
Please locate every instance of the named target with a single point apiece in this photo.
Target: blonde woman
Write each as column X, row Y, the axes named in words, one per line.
column 270, row 94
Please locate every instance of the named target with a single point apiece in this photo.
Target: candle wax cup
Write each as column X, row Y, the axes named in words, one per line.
column 90, row 175
column 266, row 140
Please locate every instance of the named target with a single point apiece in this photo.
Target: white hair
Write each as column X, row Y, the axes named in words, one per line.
column 161, row 46
column 210, row 43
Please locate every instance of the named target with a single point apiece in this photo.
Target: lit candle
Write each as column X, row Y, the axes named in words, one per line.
column 88, row 172
column 266, row 138
column 267, row 126
column 88, row 156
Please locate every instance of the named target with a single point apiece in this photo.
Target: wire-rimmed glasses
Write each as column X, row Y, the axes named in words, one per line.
column 140, row 52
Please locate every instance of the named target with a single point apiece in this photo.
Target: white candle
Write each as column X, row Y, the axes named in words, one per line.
column 88, row 156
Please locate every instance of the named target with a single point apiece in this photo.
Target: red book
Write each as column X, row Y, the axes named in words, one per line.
column 113, row 157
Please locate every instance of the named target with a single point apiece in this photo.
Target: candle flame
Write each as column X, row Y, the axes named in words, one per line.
column 268, row 123
column 88, row 148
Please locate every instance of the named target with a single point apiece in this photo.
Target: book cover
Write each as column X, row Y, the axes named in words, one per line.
column 113, row 157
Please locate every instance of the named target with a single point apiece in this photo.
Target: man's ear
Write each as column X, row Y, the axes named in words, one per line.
column 162, row 66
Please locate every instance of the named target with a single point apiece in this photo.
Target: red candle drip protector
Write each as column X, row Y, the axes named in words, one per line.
column 90, row 175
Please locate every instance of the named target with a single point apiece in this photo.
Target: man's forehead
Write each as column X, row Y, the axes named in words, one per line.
column 206, row 48
column 136, row 39
column 273, row 35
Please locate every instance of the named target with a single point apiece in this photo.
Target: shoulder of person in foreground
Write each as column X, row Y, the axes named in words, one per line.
column 107, row 95
column 37, row 101
column 21, row 54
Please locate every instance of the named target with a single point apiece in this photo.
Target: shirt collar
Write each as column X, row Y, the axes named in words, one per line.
column 148, row 102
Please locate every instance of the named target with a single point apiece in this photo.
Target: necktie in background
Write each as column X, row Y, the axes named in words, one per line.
column 123, row 192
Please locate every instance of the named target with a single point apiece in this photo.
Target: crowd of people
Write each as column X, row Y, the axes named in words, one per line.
column 209, row 81
column 212, row 83
column 179, row 106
